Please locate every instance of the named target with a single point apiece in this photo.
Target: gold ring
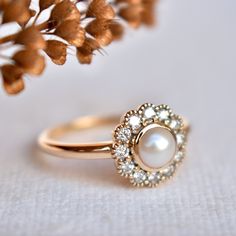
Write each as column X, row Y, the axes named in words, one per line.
column 147, row 145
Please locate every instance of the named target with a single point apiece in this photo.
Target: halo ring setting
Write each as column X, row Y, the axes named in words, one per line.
column 147, row 145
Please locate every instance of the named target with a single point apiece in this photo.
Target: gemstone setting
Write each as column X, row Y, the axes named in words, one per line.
column 149, row 145
column 123, row 134
column 121, row 152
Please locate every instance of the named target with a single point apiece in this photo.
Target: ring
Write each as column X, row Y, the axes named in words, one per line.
column 148, row 143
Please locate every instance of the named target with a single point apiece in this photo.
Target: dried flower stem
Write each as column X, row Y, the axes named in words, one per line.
column 12, row 37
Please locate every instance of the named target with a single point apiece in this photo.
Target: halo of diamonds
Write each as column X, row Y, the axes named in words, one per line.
column 124, row 137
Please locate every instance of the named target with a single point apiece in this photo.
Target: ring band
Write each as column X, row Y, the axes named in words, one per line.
column 96, row 150
column 148, row 144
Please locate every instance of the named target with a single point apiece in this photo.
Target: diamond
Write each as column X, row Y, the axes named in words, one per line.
column 154, row 178
column 179, row 156
column 163, row 114
column 127, row 167
column 149, row 113
column 124, row 134
column 139, row 176
column 175, row 124
column 121, row 152
column 135, row 122
column 168, row 171
column 180, row 137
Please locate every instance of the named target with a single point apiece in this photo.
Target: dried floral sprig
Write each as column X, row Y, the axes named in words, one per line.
column 88, row 29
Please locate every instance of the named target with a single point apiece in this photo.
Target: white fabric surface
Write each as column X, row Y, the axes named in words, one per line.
column 188, row 62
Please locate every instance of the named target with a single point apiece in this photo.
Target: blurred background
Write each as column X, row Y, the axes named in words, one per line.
column 186, row 61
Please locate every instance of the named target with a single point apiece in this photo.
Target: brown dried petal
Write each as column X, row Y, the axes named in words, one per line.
column 11, row 73
column 117, row 30
column 100, row 10
column 84, row 58
column 85, row 52
column 72, row 32
column 132, row 14
column 44, row 4
column 65, row 10
column 3, row 4
column 56, row 50
column 12, row 79
column 15, row 87
column 31, row 61
column 148, row 14
column 89, row 46
column 26, row 2
column 105, row 39
column 99, row 29
column 31, row 37
column 16, row 11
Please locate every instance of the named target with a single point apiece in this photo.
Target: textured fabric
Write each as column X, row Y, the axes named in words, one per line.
column 188, row 62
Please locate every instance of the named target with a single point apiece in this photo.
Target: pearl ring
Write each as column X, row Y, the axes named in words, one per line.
column 147, row 145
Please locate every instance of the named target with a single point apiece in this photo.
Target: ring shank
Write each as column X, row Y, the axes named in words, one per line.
column 99, row 150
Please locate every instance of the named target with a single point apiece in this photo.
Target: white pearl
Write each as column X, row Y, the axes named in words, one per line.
column 156, row 147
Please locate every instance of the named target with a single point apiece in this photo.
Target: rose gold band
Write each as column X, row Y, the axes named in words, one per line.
column 99, row 150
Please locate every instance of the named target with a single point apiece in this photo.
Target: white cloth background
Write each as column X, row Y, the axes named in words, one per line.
column 188, row 62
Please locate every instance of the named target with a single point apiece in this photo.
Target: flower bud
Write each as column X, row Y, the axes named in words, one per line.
column 63, row 11
column 16, row 11
column 31, row 37
column 72, row 32
column 30, row 60
column 56, row 50
column 12, row 78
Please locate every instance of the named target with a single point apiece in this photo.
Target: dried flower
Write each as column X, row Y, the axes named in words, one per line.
column 17, row 11
column 100, row 10
column 12, row 78
column 30, row 60
column 31, row 37
column 85, row 52
column 87, row 28
column 132, row 14
column 72, row 32
column 56, row 50
column 148, row 14
column 64, row 11
column 100, row 30
column 117, row 30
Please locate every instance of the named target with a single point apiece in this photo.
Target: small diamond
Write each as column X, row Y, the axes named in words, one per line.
column 127, row 167
column 121, row 152
column 168, row 171
column 154, row 178
column 135, row 122
column 124, row 134
column 179, row 156
column 180, row 137
column 163, row 114
column 149, row 113
column 175, row 124
column 139, row 176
